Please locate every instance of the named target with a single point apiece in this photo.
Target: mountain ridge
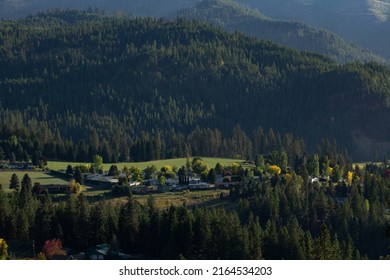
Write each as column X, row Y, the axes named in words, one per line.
column 364, row 22
column 119, row 80
column 231, row 16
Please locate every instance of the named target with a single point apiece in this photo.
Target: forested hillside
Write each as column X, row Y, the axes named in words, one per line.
column 232, row 16
column 73, row 84
column 364, row 22
column 12, row 9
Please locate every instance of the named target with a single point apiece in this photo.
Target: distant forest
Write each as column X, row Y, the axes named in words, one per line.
column 232, row 16
column 78, row 83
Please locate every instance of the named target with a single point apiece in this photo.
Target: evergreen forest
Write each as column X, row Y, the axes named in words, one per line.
column 270, row 215
column 83, row 85
column 233, row 16
column 78, row 83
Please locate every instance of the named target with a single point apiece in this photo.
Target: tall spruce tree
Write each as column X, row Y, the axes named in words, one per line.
column 78, row 176
column 324, row 248
column 25, row 195
column 14, row 183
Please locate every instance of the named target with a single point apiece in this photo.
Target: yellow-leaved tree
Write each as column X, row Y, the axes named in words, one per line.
column 274, row 169
column 74, row 187
column 288, row 178
column 349, row 177
column 3, row 249
column 330, row 170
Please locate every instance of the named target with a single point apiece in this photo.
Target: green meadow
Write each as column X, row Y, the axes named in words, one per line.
column 205, row 198
column 178, row 162
column 36, row 176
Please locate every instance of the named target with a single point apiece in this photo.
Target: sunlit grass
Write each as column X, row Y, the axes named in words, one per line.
column 36, row 177
column 209, row 198
column 178, row 162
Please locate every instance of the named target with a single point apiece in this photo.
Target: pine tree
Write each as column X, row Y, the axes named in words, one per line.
column 129, row 226
column 255, row 238
column 14, row 182
column 82, row 233
column 271, row 241
column 5, row 213
column 25, row 195
column 27, row 207
column 211, row 176
column 67, row 217
column 78, row 176
column 202, row 235
column 69, row 170
column 43, row 222
column 183, row 232
column 324, row 248
column 309, row 245
column 314, row 166
column 219, row 169
column 22, row 225
column 113, row 171
column 99, row 224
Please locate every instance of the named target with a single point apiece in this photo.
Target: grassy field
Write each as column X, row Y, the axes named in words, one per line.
column 36, row 177
column 210, row 198
column 179, row 162
column 207, row 198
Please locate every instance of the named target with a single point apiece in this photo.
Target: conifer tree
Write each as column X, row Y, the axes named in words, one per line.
column 78, row 176
column 129, row 226
column 211, row 176
column 43, row 222
column 314, row 166
column 202, row 235
column 69, row 170
column 324, row 248
column 14, row 182
column 22, row 225
column 5, row 213
column 255, row 238
column 82, row 234
column 99, row 224
column 25, row 195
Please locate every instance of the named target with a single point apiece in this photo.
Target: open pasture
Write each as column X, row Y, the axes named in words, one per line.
column 36, row 176
column 178, row 162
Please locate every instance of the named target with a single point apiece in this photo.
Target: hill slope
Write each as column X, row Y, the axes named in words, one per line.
column 231, row 16
column 364, row 22
column 20, row 8
column 110, row 84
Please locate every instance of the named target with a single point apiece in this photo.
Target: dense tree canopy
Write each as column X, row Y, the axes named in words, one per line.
column 76, row 84
column 266, row 216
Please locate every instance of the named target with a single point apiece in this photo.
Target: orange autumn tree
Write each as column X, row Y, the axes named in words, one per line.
column 53, row 248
